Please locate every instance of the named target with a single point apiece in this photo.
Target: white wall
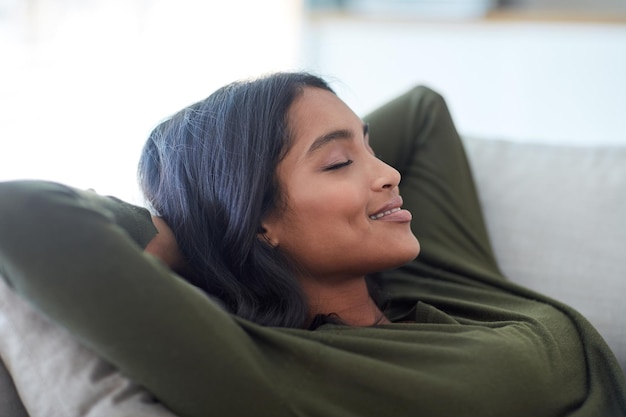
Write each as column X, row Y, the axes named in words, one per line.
column 82, row 82
column 556, row 82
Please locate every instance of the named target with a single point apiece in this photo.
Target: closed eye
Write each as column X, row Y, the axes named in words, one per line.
column 338, row 166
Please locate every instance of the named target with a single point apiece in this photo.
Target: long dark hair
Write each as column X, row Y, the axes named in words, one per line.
column 210, row 172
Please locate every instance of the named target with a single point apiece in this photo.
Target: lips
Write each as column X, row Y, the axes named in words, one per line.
column 389, row 209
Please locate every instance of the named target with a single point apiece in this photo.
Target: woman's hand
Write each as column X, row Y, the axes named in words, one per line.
column 164, row 246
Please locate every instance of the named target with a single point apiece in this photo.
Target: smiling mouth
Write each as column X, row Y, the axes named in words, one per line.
column 384, row 213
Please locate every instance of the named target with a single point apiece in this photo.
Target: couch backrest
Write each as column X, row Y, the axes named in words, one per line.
column 556, row 216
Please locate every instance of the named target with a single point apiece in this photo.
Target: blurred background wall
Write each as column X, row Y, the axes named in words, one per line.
column 82, row 82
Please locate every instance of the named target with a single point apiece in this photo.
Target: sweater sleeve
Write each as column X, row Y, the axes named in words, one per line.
column 78, row 257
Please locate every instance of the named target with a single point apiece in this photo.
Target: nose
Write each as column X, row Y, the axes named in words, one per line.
column 387, row 177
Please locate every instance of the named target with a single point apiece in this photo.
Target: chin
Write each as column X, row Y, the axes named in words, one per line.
column 404, row 254
column 412, row 251
column 411, row 255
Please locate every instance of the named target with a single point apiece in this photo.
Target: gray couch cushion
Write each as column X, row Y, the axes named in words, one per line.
column 556, row 216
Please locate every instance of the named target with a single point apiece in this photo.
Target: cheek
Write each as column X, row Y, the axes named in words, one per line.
column 322, row 220
column 331, row 208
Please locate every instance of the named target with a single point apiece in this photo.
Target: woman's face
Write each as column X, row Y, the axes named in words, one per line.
column 342, row 217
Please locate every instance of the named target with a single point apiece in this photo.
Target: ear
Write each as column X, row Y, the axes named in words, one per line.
column 269, row 233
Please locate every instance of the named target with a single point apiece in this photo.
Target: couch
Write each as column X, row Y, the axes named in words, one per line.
column 556, row 215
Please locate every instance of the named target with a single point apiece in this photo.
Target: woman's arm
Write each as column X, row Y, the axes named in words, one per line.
column 55, row 375
column 79, row 258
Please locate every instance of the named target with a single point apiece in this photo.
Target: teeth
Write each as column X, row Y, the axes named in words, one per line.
column 383, row 214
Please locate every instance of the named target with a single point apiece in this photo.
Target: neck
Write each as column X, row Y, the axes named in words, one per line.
column 348, row 299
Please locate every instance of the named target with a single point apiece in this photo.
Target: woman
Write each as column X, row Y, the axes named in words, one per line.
column 279, row 209
column 284, row 202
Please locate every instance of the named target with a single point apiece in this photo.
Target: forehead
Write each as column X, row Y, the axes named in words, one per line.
column 317, row 111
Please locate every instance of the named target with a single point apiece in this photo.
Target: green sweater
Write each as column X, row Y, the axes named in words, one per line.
column 464, row 342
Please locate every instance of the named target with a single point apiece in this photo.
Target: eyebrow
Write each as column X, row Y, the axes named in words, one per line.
column 343, row 134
